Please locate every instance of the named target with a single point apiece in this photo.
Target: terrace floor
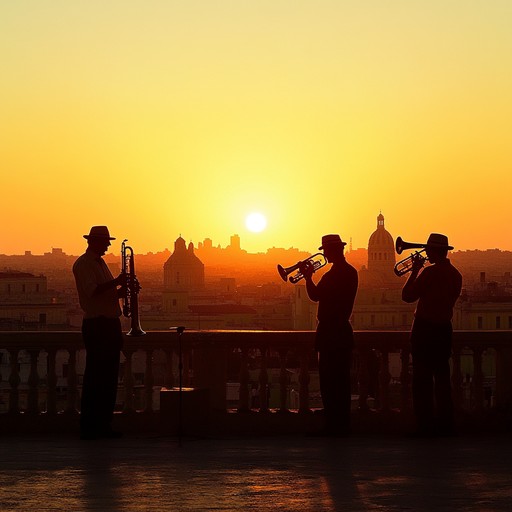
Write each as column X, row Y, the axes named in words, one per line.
column 150, row 472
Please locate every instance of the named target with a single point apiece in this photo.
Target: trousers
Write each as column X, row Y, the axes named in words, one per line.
column 103, row 340
column 334, row 345
column 334, row 372
column 431, row 346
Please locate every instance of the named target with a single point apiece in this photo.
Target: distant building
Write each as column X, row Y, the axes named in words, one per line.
column 303, row 309
column 486, row 305
column 381, row 259
column 222, row 316
column 235, row 243
column 379, row 302
column 183, row 275
column 26, row 304
column 207, row 244
column 217, row 304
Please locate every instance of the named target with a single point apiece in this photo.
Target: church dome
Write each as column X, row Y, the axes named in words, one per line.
column 381, row 250
column 183, row 255
column 381, row 238
column 179, row 244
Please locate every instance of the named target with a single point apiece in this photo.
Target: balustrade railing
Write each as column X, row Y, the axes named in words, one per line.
column 211, row 359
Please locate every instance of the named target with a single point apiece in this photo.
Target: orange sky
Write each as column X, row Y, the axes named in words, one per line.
column 163, row 118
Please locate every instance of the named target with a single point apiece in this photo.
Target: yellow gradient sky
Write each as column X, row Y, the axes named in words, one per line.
column 162, row 118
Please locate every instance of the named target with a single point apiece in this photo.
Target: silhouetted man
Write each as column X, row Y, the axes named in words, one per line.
column 436, row 289
column 335, row 294
column 99, row 294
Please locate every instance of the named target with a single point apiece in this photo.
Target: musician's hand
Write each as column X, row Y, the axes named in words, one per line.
column 417, row 262
column 307, row 269
column 121, row 280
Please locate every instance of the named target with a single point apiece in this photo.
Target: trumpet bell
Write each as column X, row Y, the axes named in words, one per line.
column 401, row 245
column 404, row 266
column 136, row 330
column 283, row 272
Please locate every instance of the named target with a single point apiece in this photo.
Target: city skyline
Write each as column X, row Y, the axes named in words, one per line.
column 116, row 251
column 169, row 118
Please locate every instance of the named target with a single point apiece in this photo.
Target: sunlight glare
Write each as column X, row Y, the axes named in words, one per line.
column 256, row 222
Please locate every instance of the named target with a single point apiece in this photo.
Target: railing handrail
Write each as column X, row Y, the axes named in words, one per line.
column 161, row 338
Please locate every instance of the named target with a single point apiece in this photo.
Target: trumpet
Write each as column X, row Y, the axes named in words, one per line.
column 317, row 260
column 131, row 293
column 404, row 266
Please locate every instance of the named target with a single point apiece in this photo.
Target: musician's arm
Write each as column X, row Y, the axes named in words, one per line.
column 120, row 280
column 311, row 288
column 410, row 291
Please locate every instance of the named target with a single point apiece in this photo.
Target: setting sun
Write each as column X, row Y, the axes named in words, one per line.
column 256, row 222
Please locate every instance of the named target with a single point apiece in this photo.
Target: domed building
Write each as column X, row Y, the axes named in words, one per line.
column 183, row 274
column 379, row 273
column 381, row 252
column 379, row 302
column 183, row 270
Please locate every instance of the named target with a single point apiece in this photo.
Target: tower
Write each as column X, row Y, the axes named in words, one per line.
column 235, row 243
column 381, row 251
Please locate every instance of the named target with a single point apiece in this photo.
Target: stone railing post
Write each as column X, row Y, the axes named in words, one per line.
column 128, row 381
column 72, row 383
column 148, row 382
column 478, row 379
column 362, row 355
column 456, row 379
column 51, row 398
column 283, row 381
column 169, row 373
column 14, row 382
column 33, row 383
column 405, row 380
column 263, row 380
column 384, row 380
column 243, row 402
column 186, row 367
column 304, row 382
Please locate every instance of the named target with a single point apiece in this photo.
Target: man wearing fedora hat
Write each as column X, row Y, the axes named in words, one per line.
column 436, row 288
column 99, row 294
column 335, row 294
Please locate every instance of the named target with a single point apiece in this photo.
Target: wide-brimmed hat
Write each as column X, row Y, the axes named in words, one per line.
column 99, row 232
column 331, row 240
column 438, row 241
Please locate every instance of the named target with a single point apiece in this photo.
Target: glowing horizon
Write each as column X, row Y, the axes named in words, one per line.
column 169, row 118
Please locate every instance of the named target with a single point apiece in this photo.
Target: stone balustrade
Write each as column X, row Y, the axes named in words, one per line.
column 210, row 357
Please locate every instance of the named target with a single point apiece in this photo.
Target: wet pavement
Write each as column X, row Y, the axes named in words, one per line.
column 289, row 473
